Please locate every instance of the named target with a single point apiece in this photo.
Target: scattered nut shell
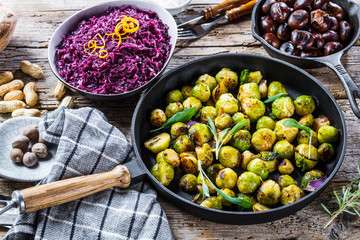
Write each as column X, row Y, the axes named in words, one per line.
column 31, row 131
column 25, row 112
column 29, row 159
column 21, row 142
column 68, row 101
column 40, row 150
column 16, row 155
column 31, row 69
column 6, row 77
column 14, row 95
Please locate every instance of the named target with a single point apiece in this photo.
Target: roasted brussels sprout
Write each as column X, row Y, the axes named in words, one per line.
column 172, row 109
column 275, row 88
column 283, row 107
column 303, row 159
column 326, row 152
column 209, row 184
column 171, row 157
column 291, row 194
column 188, row 183
column 269, row 193
column 204, row 155
column 163, row 172
column 259, row 167
column 307, row 120
column 319, row 122
column 228, row 192
column 174, row 96
column 200, row 133
column 263, row 139
column 223, row 121
column 188, row 163
column 284, row 148
column 257, row 207
column 248, row 182
column 253, row 108
column 285, row 180
column 241, row 140
column 272, row 165
column 227, row 104
column 186, row 91
column 285, row 133
column 183, row 144
column 229, row 157
column 226, row 178
column 209, row 102
column 263, row 88
column 228, row 78
column 158, row 143
column 238, row 117
column 304, row 105
column 160, row 157
column 285, row 167
column 265, row 122
column 249, row 90
column 178, row 129
column 157, row 117
column 207, row 80
column 213, row 170
column 219, row 90
column 246, row 157
column 206, row 112
column 311, row 176
column 328, row 134
column 254, row 77
column 304, row 137
column 201, row 91
column 212, row 202
column 192, row 102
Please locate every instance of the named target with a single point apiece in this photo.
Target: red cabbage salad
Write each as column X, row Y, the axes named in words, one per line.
column 92, row 58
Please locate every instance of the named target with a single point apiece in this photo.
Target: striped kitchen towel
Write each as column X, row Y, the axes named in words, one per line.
column 88, row 144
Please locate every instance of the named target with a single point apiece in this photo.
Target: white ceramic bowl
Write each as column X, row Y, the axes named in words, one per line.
column 179, row 8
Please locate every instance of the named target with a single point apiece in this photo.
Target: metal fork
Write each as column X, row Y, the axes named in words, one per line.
column 199, row 31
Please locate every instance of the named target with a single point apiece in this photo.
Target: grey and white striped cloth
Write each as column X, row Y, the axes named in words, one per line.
column 88, row 144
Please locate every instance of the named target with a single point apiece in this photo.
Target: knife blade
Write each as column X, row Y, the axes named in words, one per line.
column 209, row 12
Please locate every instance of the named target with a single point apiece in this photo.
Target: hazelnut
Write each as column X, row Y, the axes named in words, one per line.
column 40, row 150
column 21, row 142
column 29, row 159
column 31, row 131
column 16, row 155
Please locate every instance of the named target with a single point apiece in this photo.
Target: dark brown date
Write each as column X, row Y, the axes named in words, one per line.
column 267, row 24
column 313, row 52
column 330, row 36
column 336, row 11
column 298, row 19
column 320, row 20
column 303, row 4
column 344, row 31
column 332, row 47
column 334, row 24
column 302, row 39
column 279, row 12
column 266, row 6
column 272, row 39
column 320, row 4
column 284, row 32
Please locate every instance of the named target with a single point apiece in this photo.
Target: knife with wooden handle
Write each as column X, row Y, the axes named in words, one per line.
column 210, row 12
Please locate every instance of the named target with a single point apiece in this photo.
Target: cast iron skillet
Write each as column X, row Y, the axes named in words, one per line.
column 333, row 61
column 296, row 81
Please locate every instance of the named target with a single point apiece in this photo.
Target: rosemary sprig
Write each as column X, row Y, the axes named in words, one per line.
column 348, row 203
column 226, row 133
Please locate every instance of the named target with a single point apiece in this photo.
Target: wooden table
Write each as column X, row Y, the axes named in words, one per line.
column 37, row 20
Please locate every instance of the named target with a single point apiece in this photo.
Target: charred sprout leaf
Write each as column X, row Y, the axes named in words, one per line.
column 275, row 97
column 237, row 201
column 205, row 188
column 349, row 202
column 183, row 116
column 244, row 75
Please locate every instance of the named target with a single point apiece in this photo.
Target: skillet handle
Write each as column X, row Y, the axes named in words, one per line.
column 352, row 91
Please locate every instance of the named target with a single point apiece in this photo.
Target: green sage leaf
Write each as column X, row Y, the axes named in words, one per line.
column 205, row 188
column 243, row 76
column 183, row 116
column 275, row 97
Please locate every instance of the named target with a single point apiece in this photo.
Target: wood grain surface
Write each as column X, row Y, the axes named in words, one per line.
column 37, row 20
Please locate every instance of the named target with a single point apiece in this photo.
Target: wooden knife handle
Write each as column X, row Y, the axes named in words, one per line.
column 63, row 191
column 238, row 12
column 212, row 11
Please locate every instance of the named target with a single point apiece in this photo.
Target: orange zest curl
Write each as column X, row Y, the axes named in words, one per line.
column 126, row 25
